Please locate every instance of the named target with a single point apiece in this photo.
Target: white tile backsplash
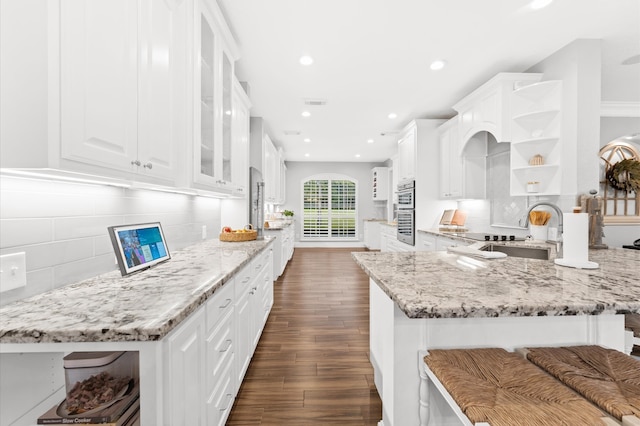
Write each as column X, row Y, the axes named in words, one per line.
column 65, row 228
column 19, row 232
column 62, row 226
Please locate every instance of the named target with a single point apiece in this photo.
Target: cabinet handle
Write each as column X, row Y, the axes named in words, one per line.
column 246, row 280
column 230, row 398
column 227, row 303
column 148, row 166
column 136, row 162
column 228, row 342
column 258, row 267
column 221, row 182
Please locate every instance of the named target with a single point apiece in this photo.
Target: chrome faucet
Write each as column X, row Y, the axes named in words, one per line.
column 559, row 213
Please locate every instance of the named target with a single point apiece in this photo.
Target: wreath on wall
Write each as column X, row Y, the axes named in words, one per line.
column 625, row 175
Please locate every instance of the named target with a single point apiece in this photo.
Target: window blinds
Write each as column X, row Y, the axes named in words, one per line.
column 330, row 209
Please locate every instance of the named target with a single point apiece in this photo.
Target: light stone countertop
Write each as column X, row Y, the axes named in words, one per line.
column 447, row 285
column 141, row 307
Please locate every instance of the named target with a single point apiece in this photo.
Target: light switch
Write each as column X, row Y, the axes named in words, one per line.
column 13, row 271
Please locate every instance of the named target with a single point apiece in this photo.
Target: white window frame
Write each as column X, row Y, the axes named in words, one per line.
column 329, row 237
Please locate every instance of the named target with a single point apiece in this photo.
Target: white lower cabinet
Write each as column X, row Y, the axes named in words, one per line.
column 208, row 355
column 371, row 234
column 282, row 248
column 425, row 242
column 244, row 323
column 387, row 236
column 256, row 281
column 389, row 240
column 184, row 384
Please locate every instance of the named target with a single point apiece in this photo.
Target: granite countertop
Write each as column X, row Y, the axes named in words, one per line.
column 141, row 307
column 447, row 285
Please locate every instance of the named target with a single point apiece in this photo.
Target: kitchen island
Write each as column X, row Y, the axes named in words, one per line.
column 186, row 318
column 427, row 300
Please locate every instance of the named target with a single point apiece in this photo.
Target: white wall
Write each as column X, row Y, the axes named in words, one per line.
column 62, row 226
column 297, row 172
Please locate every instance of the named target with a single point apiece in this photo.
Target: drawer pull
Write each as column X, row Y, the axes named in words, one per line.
column 246, row 280
column 259, row 266
column 229, row 398
column 226, row 303
column 229, row 342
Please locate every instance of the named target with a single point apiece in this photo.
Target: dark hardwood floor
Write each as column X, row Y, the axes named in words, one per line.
column 311, row 366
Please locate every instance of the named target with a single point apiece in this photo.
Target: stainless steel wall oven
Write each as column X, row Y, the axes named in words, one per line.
column 406, row 212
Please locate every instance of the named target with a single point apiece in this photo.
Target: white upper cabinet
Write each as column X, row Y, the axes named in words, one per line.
column 451, row 172
column 488, row 107
column 407, row 154
column 122, row 69
column 218, row 164
column 271, row 170
column 240, row 138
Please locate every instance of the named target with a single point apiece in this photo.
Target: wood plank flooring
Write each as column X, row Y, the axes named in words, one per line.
column 311, row 366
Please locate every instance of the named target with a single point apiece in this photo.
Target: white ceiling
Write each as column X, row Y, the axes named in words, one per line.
column 371, row 58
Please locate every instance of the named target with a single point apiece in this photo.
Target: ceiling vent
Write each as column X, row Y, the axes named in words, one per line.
column 315, row 102
column 292, row 132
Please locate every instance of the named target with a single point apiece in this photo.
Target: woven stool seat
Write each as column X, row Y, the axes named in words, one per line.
column 503, row 389
column 608, row 378
column 632, row 322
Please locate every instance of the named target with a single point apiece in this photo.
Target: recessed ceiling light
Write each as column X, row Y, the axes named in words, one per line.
column 306, row 60
column 393, row 115
column 369, row 140
column 437, row 65
column 307, row 140
column 227, row 112
column 306, row 114
column 307, row 154
column 539, row 4
column 357, row 155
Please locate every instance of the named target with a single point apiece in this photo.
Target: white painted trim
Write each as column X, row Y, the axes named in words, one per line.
column 619, row 109
column 331, row 244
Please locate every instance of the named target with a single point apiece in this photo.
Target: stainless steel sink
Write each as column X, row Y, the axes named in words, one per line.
column 519, row 251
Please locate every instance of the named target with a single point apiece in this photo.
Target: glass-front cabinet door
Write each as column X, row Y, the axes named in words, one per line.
column 214, row 139
column 207, row 92
column 227, row 116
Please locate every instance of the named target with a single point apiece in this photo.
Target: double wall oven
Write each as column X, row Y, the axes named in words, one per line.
column 406, row 212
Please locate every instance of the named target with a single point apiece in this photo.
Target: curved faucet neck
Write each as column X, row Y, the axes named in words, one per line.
column 546, row 203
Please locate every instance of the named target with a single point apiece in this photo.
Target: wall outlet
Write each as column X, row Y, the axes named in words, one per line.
column 204, row 231
column 13, row 271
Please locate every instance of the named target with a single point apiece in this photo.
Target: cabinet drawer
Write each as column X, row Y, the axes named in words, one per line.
column 220, row 349
column 221, row 399
column 260, row 262
column 220, row 304
column 243, row 280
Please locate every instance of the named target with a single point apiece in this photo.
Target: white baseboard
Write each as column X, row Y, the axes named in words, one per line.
column 331, row 244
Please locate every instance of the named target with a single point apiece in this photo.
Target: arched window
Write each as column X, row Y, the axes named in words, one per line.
column 330, row 208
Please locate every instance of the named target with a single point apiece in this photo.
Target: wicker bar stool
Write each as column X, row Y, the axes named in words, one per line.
column 607, row 378
column 499, row 388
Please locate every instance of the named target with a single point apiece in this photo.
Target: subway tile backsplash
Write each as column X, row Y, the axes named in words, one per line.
column 62, row 226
